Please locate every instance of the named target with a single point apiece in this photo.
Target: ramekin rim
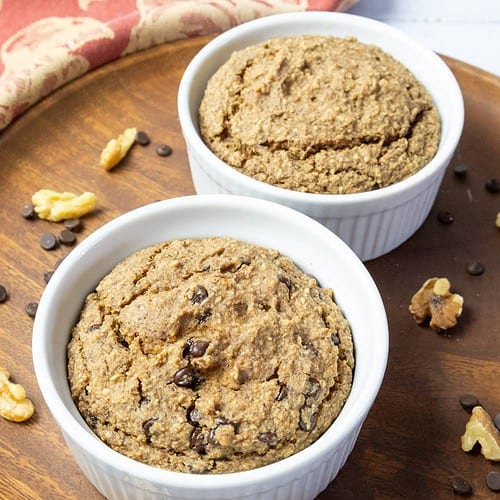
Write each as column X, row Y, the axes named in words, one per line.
column 102, row 453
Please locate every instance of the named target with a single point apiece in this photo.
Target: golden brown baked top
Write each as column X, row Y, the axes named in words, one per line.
column 209, row 355
column 319, row 114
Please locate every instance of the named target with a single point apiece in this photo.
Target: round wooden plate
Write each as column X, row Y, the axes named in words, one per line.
column 410, row 444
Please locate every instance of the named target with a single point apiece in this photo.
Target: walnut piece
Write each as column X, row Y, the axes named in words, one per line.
column 434, row 300
column 497, row 221
column 116, row 149
column 480, row 429
column 14, row 405
column 55, row 206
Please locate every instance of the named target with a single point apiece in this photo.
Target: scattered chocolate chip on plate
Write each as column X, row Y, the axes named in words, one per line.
column 496, row 421
column 73, row 225
column 28, row 211
column 31, row 309
column 492, row 186
column 142, row 138
column 67, row 237
column 3, row 294
column 460, row 170
column 469, row 401
column 461, row 486
column 163, row 150
column 493, row 480
column 445, row 217
column 475, row 268
column 48, row 241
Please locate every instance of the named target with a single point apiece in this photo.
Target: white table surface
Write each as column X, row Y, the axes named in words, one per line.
column 467, row 30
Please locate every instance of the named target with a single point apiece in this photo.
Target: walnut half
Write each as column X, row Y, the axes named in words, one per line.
column 434, row 300
column 480, row 429
column 116, row 149
column 14, row 405
column 55, row 206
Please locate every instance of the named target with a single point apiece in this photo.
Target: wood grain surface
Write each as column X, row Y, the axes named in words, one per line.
column 410, row 444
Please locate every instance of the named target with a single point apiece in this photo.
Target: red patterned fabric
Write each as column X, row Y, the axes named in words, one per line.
column 47, row 43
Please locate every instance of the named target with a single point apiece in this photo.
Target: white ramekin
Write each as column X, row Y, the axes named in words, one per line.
column 313, row 247
column 371, row 223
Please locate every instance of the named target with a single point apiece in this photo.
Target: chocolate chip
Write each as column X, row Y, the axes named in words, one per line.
column 282, row 393
column 193, row 416
column 31, row 309
column 313, row 388
column 67, row 237
column 185, row 377
column 197, row 440
column 475, row 268
column 496, row 421
column 335, row 339
column 197, row 348
column 493, row 480
column 146, row 426
column 74, row 225
column 461, row 486
column 3, row 294
column 492, row 186
column 28, row 211
column 199, row 295
column 47, row 275
column 307, row 423
column 163, row 150
column 445, row 217
column 92, row 420
column 142, row 138
column 286, row 281
column 203, row 317
column 469, row 401
column 460, row 170
column 268, row 438
column 48, row 241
